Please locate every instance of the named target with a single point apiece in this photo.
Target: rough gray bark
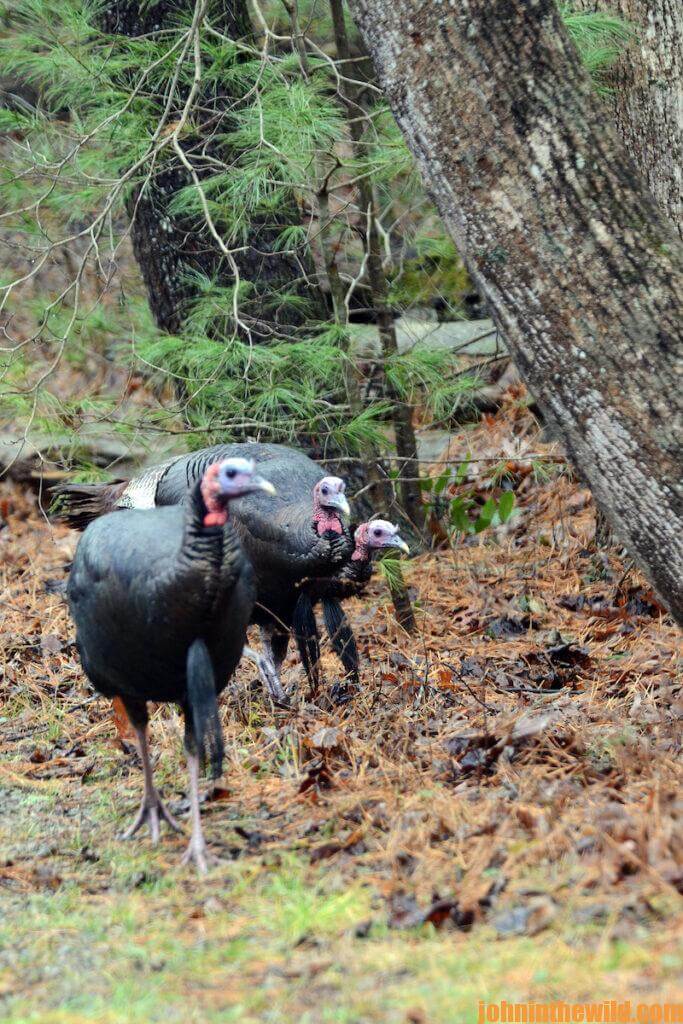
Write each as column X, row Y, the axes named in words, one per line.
column 646, row 100
column 582, row 273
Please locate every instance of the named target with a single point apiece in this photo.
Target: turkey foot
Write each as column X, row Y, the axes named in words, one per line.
column 152, row 805
column 197, row 853
column 270, row 677
column 152, row 811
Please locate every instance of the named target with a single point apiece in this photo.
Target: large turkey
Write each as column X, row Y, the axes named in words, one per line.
column 301, row 533
column 161, row 599
column 349, row 581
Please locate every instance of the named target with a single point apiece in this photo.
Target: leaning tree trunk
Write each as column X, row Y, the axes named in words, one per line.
column 174, row 252
column 646, row 98
column 583, row 274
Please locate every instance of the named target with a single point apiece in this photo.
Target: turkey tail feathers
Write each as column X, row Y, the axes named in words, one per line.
column 341, row 636
column 305, row 632
column 78, row 505
column 206, row 732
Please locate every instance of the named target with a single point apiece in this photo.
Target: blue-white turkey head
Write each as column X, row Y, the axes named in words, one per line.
column 224, row 481
column 376, row 534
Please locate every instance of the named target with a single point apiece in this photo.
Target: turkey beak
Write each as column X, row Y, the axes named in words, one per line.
column 261, row 484
column 339, row 501
column 398, row 542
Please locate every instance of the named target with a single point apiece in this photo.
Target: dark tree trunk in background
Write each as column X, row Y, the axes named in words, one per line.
column 646, row 98
column 170, row 249
column 583, row 274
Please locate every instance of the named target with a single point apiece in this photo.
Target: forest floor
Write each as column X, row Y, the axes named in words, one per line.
column 496, row 815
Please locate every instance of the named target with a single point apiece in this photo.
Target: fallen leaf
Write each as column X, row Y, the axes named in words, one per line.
column 327, row 850
column 508, row 626
column 317, row 775
column 532, row 819
column 326, row 738
column 218, row 793
column 51, row 644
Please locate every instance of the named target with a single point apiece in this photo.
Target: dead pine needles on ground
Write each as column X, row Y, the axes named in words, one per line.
column 510, row 775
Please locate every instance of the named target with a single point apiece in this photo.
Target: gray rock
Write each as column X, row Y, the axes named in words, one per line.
column 466, row 337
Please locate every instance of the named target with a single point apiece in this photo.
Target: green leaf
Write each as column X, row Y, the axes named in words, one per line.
column 458, row 516
column 506, row 504
column 462, row 471
column 485, row 517
column 442, row 481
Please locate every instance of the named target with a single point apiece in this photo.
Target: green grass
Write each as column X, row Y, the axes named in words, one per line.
column 141, row 957
column 265, row 938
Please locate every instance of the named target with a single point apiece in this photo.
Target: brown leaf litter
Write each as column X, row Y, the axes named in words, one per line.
column 516, row 760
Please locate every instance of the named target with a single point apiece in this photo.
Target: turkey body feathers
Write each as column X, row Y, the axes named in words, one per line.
column 305, row 633
column 143, row 588
column 168, row 482
column 285, row 467
column 277, row 532
column 201, row 698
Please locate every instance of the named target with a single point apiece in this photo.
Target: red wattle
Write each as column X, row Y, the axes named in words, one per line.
column 325, row 521
column 215, row 518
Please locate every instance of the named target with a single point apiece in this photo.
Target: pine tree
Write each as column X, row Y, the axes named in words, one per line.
column 258, row 173
column 176, row 251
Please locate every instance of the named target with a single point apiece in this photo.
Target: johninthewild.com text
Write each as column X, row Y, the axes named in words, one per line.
column 610, row 1011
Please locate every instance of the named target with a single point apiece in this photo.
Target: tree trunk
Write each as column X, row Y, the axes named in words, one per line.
column 647, row 94
column 171, row 250
column 582, row 273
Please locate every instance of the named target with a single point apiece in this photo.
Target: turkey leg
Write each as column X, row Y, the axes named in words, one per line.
column 152, row 806
column 275, row 642
column 268, row 672
column 196, row 852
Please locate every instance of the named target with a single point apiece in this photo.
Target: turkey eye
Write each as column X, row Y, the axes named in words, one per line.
column 325, row 491
column 231, row 473
column 378, row 533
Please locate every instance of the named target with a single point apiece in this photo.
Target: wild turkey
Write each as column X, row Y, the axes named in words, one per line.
column 351, row 580
column 161, row 599
column 300, row 533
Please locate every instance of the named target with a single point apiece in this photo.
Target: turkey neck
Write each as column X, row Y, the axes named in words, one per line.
column 326, row 521
column 359, row 568
column 214, row 549
column 347, row 581
column 337, row 536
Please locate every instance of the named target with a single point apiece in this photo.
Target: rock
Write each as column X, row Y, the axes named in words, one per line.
column 466, row 337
